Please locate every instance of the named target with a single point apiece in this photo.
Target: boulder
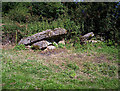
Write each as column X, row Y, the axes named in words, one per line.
column 41, row 44
column 43, row 35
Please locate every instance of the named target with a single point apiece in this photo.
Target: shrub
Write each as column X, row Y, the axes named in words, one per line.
column 19, row 14
column 74, row 17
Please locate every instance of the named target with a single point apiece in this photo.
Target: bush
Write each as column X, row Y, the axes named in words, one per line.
column 50, row 10
column 12, row 32
column 19, row 14
column 77, row 18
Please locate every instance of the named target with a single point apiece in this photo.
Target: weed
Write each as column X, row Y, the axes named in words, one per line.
column 20, row 47
column 54, row 44
column 73, row 66
column 110, row 58
column 68, row 46
column 60, row 45
column 72, row 73
column 102, row 68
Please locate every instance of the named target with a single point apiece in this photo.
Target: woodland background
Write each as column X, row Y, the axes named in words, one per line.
column 23, row 19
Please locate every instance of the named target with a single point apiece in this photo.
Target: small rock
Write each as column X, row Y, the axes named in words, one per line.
column 87, row 36
column 41, row 44
column 51, row 47
column 28, row 47
column 62, row 42
column 91, row 34
column 94, row 41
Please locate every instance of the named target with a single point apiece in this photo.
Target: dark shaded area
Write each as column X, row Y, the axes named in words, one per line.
column 76, row 17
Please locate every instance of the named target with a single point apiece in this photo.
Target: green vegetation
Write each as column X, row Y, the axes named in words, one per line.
column 79, row 66
column 20, row 47
column 60, row 45
column 25, row 19
column 29, row 70
column 54, row 44
column 101, row 68
column 73, row 66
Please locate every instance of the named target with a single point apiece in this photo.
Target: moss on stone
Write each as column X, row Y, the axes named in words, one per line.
column 35, row 47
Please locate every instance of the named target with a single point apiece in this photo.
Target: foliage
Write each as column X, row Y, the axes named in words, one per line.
column 35, row 27
column 19, row 14
column 74, row 17
column 8, row 6
column 50, row 10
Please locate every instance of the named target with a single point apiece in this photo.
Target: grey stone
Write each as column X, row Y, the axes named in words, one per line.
column 62, row 42
column 94, row 41
column 51, row 47
column 43, row 35
column 88, row 35
column 41, row 44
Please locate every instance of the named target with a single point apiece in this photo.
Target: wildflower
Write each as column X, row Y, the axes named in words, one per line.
column 116, row 6
column 83, row 11
column 117, row 1
column 78, row 1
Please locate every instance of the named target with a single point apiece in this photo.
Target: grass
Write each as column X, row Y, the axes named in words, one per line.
column 88, row 67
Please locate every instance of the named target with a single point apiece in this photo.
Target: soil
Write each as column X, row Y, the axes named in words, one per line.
column 51, row 52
